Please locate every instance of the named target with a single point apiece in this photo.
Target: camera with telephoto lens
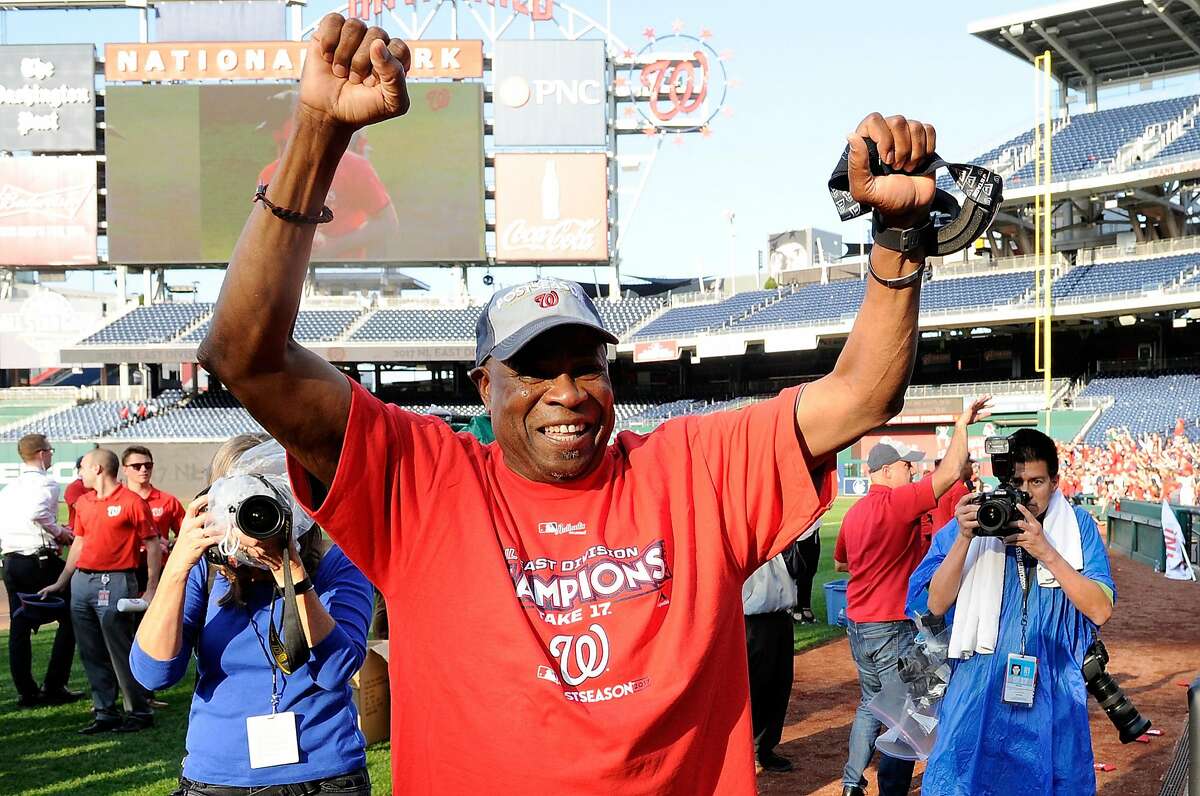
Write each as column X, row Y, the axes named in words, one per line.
column 1130, row 724
column 998, row 508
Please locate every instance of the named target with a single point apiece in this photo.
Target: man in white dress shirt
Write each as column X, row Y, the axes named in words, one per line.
column 30, row 537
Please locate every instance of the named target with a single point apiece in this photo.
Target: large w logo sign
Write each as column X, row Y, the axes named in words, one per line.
column 582, row 657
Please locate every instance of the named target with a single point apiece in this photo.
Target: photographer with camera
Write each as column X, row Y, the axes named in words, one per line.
column 269, row 715
column 880, row 544
column 1023, row 579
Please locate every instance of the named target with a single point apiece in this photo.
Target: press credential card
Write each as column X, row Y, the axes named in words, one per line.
column 272, row 740
column 1019, row 679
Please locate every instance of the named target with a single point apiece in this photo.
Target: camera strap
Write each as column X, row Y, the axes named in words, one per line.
column 982, row 195
column 293, row 654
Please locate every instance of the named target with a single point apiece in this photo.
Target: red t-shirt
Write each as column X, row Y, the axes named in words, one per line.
column 943, row 512
column 881, row 541
column 584, row 637
column 73, row 492
column 113, row 527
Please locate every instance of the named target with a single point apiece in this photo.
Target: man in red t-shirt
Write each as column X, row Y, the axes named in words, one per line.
column 600, row 584
column 880, row 545
column 102, row 570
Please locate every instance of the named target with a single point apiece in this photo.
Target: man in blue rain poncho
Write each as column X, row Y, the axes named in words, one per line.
column 996, row 735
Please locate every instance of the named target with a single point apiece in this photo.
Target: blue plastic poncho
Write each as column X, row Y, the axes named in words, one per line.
column 986, row 747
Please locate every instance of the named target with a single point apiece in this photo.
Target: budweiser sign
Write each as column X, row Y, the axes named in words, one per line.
column 48, row 211
column 552, row 207
column 61, row 204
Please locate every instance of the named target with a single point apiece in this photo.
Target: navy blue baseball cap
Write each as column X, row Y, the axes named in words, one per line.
column 515, row 315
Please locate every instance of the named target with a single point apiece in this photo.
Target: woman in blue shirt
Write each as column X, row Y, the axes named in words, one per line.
column 237, row 678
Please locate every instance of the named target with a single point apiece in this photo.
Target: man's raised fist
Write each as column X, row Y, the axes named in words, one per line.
column 903, row 144
column 354, row 75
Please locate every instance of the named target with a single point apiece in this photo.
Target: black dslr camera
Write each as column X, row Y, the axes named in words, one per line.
column 998, row 508
column 1130, row 724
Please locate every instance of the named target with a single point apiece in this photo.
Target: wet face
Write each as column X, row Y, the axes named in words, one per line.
column 1034, row 478
column 138, row 469
column 551, row 404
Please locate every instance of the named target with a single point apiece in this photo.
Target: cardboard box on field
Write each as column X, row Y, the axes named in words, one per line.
column 371, row 693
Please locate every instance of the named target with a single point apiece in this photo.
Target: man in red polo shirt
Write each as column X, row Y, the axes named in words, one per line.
column 165, row 509
column 880, row 545
column 102, row 570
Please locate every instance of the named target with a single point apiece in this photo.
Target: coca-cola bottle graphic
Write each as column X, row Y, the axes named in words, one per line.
column 550, row 191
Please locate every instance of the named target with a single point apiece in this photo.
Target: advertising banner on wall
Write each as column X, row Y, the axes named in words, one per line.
column 48, row 98
column 48, row 211
column 549, row 93
column 407, row 190
column 267, row 60
column 552, row 208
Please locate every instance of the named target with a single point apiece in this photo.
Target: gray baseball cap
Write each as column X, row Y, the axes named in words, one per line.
column 515, row 315
column 883, row 454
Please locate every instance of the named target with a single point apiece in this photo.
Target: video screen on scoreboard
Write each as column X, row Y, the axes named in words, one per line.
column 184, row 162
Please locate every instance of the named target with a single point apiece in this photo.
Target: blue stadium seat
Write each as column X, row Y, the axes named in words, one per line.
column 1098, row 279
column 704, row 317
column 1145, row 404
column 156, row 323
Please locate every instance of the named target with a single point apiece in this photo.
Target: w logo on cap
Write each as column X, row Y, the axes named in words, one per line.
column 547, row 300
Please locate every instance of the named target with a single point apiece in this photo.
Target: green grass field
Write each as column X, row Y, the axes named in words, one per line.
column 43, row 755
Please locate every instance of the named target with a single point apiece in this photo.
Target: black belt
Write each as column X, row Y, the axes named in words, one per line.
column 45, row 551
column 106, row 571
column 982, row 195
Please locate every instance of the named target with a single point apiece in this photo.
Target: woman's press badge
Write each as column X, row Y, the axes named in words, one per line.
column 1019, row 678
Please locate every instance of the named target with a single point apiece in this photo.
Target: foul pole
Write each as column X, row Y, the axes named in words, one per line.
column 1043, row 214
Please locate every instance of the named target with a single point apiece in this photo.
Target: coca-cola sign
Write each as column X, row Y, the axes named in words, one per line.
column 551, row 208
column 47, row 211
column 47, row 98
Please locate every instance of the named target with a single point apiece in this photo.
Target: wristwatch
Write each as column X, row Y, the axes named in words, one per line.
column 303, row 586
column 905, row 241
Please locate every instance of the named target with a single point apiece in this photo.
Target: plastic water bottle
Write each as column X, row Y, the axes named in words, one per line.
column 134, row 605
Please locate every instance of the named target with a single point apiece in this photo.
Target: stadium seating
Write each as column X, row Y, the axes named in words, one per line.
column 311, row 326
column 431, row 324
column 1145, row 404
column 622, row 316
column 77, row 422
column 703, row 317
column 206, row 416
column 1093, row 139
column 156, row 323
column 1099, row 279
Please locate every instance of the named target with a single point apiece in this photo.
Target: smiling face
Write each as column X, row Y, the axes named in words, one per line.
column 551, row 404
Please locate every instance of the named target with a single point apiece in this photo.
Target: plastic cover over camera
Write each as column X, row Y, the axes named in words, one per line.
column 268, row 461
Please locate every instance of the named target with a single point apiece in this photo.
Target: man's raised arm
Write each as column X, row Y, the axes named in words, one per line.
column 349, row 81
column 866, row 387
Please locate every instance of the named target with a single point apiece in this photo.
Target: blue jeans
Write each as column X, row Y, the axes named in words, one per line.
column 876, row 647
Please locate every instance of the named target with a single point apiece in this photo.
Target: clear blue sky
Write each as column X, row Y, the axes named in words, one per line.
column 806, row 73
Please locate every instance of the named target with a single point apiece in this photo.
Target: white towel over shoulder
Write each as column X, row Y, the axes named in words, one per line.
column 977, row 612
